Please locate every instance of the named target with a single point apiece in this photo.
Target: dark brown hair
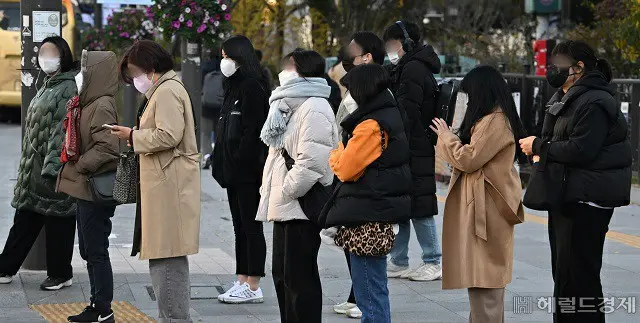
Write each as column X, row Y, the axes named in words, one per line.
column 149, row 56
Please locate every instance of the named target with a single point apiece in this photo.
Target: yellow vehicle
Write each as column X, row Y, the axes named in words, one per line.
column 10, row 56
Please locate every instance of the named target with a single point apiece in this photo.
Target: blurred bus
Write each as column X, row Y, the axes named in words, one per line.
column 10, row 56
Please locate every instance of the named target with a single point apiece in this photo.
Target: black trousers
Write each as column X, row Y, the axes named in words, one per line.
column 295, row 271
column 576, row 235
column 251, row 248
column 352, row 297
column 60, row 231
column 94, row 228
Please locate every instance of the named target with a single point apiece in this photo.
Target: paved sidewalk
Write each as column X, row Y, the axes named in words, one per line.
column 212, row 269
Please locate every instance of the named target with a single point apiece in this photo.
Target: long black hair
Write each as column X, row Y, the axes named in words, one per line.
column 487, row 89
column 66, row 57
column 365, row 82
column 580, row 51
column 240, row 49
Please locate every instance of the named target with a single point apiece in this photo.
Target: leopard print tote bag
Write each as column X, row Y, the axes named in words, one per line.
column 372, row 239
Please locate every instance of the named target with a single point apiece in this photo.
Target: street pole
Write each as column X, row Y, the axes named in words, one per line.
column 97, row 15
column 39, row 18
column 192, row 79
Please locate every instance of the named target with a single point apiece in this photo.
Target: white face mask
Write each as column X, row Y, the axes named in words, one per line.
column 142, row 83
column 49, row 65
column 350, row 103
column 286, row 76
column 228, row 67
column 394, row 57
column 79, row 81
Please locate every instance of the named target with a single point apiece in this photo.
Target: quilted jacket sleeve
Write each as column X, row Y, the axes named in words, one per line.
column 315, row 143
column 52, row 164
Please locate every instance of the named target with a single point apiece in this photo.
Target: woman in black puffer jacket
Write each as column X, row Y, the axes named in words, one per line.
column 585, row 137
column 238, row 160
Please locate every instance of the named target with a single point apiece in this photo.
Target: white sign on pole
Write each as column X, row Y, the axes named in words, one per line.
column 45, row 24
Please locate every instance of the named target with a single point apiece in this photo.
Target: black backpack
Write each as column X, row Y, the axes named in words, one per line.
column 445, row 99
column 213, row 91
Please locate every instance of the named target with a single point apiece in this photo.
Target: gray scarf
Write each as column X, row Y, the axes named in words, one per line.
column 284, row 101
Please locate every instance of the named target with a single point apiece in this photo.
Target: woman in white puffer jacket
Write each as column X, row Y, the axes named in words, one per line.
column 301, row 123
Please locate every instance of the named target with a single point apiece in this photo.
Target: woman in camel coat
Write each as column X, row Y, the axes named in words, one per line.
column 484, row 200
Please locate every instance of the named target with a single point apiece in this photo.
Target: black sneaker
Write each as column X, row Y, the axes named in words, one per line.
column 55, row 283
column 91, row 315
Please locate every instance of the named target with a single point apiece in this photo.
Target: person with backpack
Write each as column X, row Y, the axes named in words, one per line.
column 238, row 161
column 585, row 141
column 212, row 101
column 300, row 131
column 415, row 89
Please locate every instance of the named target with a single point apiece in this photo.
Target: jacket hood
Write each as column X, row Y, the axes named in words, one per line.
column 100, row 76
column 427, row 56
column 595, row 80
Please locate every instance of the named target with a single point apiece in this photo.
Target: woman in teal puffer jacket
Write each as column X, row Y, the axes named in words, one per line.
column 35, row 198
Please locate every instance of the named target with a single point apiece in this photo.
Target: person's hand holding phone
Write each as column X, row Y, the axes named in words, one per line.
column 120, row 131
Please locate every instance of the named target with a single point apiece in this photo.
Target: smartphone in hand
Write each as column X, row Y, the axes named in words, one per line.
column 108, row 126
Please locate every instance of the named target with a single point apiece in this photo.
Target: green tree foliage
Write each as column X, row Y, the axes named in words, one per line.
column 615, row 34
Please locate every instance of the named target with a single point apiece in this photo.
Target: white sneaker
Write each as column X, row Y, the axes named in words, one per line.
column 243, row 295
column 394, row 271
column 342, row 308
column 354, row 313
column 327, row 237
column 5, row 279
column 236, row 285
column 427, row 272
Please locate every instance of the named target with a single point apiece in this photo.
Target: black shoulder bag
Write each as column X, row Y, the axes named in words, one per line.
column 314, row 200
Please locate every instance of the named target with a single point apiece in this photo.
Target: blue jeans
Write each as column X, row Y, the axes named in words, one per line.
column 427, row 237
column 369, row 279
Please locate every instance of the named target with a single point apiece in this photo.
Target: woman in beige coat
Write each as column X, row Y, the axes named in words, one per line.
column 484, row 200
column 168, row 217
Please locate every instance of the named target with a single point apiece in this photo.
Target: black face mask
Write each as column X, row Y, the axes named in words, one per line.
column 347, row 63
column 557, row 76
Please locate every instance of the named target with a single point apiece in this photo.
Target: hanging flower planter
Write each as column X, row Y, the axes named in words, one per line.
column 197, row 21
column 125, row 27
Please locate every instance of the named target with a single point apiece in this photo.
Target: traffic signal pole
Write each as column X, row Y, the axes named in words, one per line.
column 39, row 19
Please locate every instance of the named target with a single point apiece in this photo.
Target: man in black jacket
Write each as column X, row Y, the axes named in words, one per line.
column 415, row 87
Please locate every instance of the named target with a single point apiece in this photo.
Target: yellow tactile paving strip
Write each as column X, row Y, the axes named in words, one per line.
column 628, row 239
column 58, row 313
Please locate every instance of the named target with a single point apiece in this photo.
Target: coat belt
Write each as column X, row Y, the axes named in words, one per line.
column 479, row 204
column 483, row 189
column 177, row 153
